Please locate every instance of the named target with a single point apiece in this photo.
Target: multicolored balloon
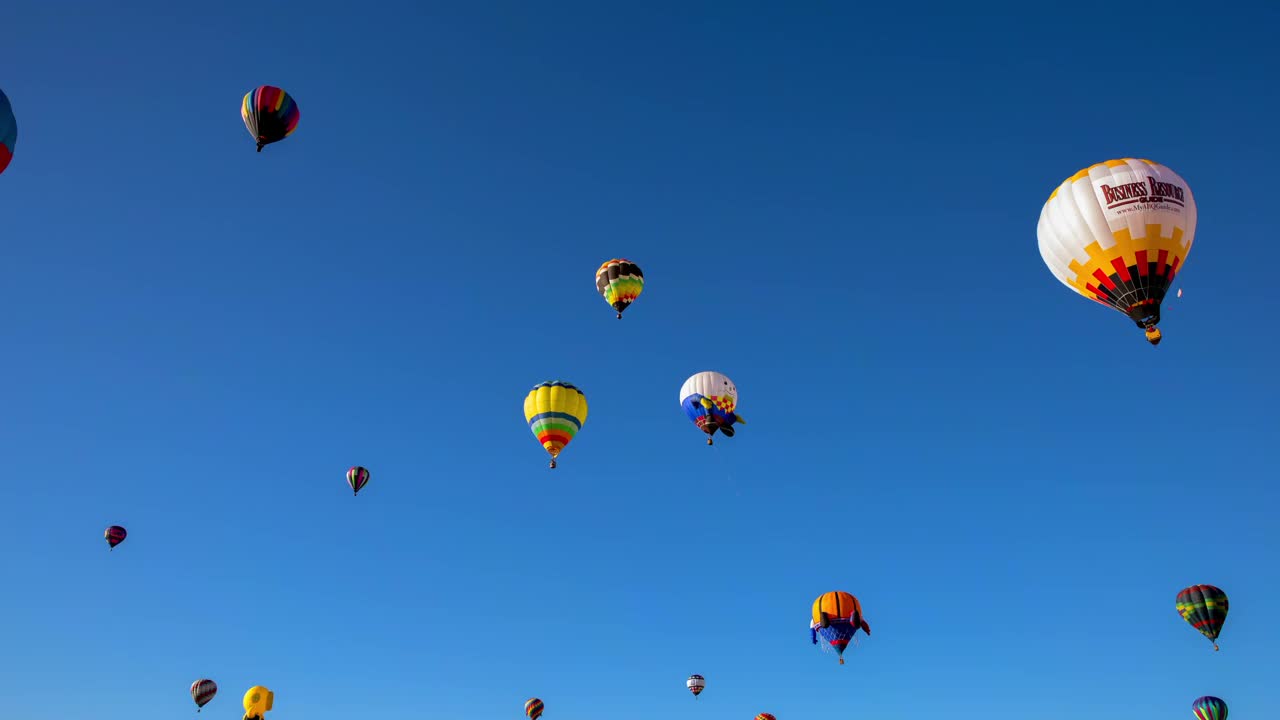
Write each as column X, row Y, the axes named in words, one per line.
column 257, row 701
column 1209, row 708
column 696, row 684
column 269, row 114
column 202, row 691
column 836, row 616
column 533, row 708
column 115, row 535
column 357, row 477
column 555, row 412
column 619, row 282
column 1118, row 233
column 765, row 716
column 709, row 399
column 1205, row 608
column 8, row 132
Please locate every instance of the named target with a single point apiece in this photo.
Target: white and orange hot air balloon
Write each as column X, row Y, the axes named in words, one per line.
column 1118, row 233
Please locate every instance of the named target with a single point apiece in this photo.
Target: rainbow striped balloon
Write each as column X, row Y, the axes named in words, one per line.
column 1204, row 607
column 1209, row 708
column 555, row 412
column 269, row 114
column 533, row 709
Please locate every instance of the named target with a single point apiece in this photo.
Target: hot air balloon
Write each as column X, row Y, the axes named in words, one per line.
column 115, row 535
column 1205, row 607
column 835, row 618
column 555, row 412
column 533, row 709
column 8, row 131
column 1118, row 233
column 620, row 282
column 709, row 399
column 269, row 114
column 696, row 684
column 765, row 716
column 357, row 477
column 202, row 691
column 1209, row 708
column 257, row 701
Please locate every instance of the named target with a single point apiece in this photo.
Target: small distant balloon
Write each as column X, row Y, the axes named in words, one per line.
column 269, row 114
column 257, row 701
column 1209, row 708
column 696, row 684
column 115, row 535
column 202, row 691
column 357, row 477
column 8, row 131
column 765, row 716
column 533, row 708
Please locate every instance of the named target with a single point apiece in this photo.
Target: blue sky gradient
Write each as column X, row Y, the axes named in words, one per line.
column 835, row 206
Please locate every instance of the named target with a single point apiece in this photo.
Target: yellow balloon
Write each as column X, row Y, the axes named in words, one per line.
column 257, row 701
column 555, row 412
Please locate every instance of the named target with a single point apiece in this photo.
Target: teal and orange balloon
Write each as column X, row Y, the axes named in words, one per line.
column 1204, row 607
column 8, row 131
column 533, row 708
column 1209, row 708
column 269, row 114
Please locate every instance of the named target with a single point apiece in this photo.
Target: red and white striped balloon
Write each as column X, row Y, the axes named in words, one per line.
column 202, row 691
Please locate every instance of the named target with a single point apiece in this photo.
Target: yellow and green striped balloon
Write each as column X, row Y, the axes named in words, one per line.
column 555, row 412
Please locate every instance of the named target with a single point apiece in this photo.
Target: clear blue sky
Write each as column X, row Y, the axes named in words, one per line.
column 834, row 206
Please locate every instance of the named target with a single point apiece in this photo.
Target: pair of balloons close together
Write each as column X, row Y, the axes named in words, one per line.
column 257, row 699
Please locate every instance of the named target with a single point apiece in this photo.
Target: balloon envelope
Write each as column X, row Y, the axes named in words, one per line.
column 8, row 131
column 696, row 684
column 555, row 411
column 710, row 400
column 257, row 701
column 533, row 708
column 1204, row 607
column 202, row 691
column 269, row 114
column 1209, row 708
column 1118, row 233
column 115, row 535
column 619, row 282
column 357, row 477
column 835, row 618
